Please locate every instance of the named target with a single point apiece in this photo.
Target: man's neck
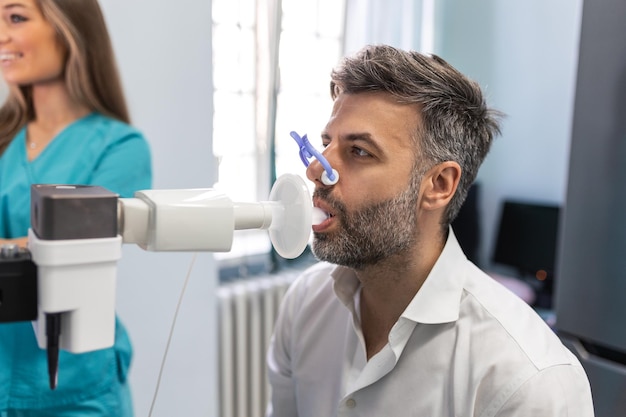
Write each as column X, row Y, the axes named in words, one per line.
column 389, row 286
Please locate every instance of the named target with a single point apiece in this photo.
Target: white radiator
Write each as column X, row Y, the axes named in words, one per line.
column 247, row 312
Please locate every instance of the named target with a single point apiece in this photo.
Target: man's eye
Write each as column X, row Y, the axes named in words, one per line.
column 360, row 152
column 16, row 18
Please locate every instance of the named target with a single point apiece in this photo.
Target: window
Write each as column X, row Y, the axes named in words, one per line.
column 311, row 44
column 272, row 61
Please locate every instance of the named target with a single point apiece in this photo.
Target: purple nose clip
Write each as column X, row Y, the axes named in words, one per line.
column 307, row 151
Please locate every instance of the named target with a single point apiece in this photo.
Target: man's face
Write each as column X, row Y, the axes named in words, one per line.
column 373, row 207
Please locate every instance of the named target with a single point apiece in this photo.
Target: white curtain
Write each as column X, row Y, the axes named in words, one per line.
column 406, row 24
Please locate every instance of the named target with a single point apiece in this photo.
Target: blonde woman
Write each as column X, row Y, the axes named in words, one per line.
column 65, row 121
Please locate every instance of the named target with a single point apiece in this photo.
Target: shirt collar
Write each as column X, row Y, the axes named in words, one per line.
column 437, row 301
column 346, row 285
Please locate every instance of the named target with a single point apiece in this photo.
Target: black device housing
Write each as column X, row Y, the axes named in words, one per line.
column 18, row 285
column 60, row 212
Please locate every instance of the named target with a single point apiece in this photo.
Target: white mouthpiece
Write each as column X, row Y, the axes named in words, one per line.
column 318, row 216
column 291, row 227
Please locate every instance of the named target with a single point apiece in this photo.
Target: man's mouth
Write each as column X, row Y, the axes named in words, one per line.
column 319, row 215
column 322, row 214
column 323, row 207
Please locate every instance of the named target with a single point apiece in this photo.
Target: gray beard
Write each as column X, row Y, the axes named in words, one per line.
column 370, row 234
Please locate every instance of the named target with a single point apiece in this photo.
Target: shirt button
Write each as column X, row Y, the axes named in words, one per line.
column 350, row 403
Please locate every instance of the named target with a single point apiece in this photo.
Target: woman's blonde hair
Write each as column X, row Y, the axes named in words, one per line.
column 90, row 71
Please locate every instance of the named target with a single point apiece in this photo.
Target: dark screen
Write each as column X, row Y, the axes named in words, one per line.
column 527, row 237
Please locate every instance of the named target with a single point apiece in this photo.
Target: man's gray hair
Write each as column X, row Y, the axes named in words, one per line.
column 456, row 123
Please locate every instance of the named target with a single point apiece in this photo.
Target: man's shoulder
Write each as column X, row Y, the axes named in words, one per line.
column 501, row 314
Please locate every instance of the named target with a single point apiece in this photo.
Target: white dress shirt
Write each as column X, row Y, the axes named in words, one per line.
column 465, row 346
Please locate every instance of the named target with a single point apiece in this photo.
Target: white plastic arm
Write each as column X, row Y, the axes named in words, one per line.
column 205, row 219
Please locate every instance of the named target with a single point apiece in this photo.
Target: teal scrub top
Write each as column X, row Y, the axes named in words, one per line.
column 94, row 150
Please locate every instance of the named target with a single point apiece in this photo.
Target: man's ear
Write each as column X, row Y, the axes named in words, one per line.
column 439, row 185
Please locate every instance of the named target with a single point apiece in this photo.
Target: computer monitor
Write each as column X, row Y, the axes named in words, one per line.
column 527, row 241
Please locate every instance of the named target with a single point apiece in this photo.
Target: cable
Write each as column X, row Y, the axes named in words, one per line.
column 169, row 338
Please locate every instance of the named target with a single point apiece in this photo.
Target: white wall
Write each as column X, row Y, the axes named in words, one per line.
column 164, row 54
column 524, row 54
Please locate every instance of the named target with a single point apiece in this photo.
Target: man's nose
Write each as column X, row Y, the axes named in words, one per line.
column 321, row 175
column 314, row 172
